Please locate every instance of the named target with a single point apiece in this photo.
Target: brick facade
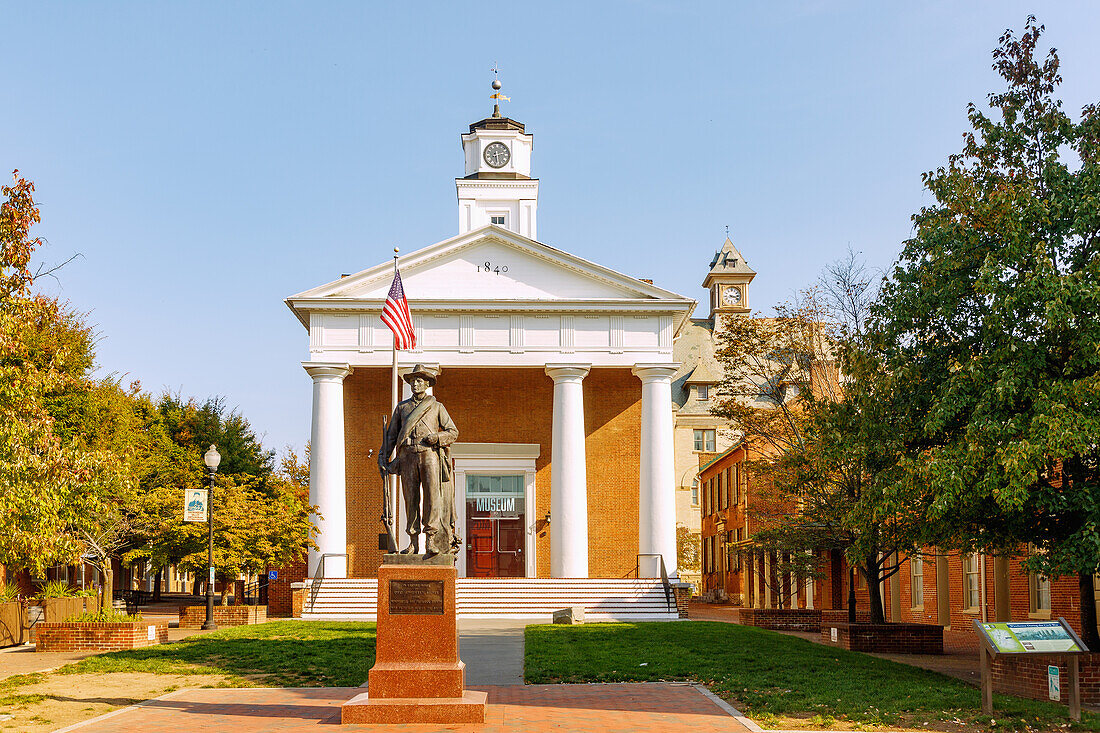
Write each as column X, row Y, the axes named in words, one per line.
column 512, row 406
column 74, row 637
column 193, row 617
column 1026, row 676
column 279, row 593
column 1005, row 578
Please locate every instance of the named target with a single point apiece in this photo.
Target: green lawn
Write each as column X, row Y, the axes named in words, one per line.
column 276, row 654
column 769, row 675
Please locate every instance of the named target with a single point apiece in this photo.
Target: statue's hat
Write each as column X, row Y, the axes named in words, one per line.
column 421, row 371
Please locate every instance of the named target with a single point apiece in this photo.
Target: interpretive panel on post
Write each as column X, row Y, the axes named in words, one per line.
column 416, row 597
column 1030, row 637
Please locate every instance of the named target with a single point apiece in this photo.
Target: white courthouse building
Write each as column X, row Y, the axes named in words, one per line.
column 557, row 371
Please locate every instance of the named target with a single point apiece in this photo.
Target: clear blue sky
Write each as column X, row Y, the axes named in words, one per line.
column 208, row 160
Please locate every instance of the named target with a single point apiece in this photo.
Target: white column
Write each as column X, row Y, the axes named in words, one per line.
column 656, row 481
column 326, row 467
column 568, row 474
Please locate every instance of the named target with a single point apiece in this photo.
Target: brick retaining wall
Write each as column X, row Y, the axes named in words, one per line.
column 1026, row 676
column 193, row 617
column 74, row 637
column 782, row 619
column 885, row 638
column 682, row 592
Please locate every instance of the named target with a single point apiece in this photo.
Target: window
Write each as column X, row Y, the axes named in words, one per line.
column 497, row 219
column 704, row 392
column 1040, row 594
column 916, row 575
column 736, row 473
column 695, row 492
column 972, row 581
column 721, row 494
column 704, row 440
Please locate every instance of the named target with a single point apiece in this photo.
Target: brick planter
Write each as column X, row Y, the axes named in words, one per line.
column 885, row 638
column 1025, row 675
column 74, row 637
column 782, row 619
column 193, row 617
column 840, row 616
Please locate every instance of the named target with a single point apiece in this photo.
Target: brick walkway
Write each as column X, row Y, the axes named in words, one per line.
column 610, row 708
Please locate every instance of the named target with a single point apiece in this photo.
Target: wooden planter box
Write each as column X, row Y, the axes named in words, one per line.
column 75, row 636
column 884, row 638
column 13, row 624
column 1025, row 675
column 782, row 619
column 193, row 617
column 59, row 609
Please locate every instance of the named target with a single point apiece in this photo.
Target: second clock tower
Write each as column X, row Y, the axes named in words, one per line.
column 728, row 283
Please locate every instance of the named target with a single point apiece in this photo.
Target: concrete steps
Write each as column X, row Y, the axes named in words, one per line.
column 603, row 599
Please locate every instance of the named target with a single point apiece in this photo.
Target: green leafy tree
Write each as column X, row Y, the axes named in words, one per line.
column 990, row 328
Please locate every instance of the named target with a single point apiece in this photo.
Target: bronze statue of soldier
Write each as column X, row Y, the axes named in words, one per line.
column 421, row 431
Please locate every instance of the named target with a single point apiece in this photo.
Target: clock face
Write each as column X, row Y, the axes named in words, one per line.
column 497, row 155
column 731, row 296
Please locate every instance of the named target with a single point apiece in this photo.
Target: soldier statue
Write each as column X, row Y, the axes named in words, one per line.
column 421, row 431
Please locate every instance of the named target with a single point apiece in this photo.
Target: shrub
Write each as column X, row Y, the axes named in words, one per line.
column 103, row 617
column 55, row 589
column 8, row 592
column 86, row 593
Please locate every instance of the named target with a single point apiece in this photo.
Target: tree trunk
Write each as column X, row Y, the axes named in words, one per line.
column 108, row 587
column 225, row 592
column 195, row 586
column 1089, row 633
column 156, row 585
column 852, row 596
column 874, row 593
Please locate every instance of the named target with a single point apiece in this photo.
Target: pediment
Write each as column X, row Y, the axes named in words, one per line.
column 491, row 263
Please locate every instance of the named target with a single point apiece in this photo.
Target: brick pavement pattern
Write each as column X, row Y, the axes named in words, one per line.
column 607, row 708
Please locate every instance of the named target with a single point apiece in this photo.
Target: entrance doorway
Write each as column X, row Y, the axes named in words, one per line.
column 495, row 537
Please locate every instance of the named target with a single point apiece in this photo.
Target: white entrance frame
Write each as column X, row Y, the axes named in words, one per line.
column 497, row 458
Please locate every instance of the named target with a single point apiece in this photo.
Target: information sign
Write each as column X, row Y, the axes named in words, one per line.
column 272, row 574
column 194, row 505
column 1024, row 637
column 1054, row 683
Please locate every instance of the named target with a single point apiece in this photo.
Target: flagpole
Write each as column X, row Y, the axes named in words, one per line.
column 394, row 395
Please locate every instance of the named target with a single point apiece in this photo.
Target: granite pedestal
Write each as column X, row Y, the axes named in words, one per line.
column 417, row 676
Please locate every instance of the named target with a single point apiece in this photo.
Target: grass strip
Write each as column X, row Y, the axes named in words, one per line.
column 768, row 675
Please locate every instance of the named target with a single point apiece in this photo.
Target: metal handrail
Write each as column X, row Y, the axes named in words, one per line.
column 670, row 600
column 315, row 586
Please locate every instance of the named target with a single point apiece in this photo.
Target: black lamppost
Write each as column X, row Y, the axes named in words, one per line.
column 211, row 458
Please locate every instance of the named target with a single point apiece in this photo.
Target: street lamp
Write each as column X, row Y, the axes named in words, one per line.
column 211, row 458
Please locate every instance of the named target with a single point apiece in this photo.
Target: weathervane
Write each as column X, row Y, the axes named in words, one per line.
column 496, row 91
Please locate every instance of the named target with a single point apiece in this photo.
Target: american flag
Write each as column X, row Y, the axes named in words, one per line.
column 395, row 314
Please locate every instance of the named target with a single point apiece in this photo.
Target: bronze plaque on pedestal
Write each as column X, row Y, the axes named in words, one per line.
column 416, row 597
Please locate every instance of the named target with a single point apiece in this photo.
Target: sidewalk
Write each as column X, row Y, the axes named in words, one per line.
column 959, row 660
column 656, row 707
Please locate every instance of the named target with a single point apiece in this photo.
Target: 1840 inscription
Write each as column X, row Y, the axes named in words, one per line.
column 416, row 597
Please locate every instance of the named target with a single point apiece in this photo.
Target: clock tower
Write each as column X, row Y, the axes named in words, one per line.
column 497, row 187
column 728, row 283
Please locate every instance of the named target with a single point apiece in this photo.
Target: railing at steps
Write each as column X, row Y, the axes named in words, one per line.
column 670, row 598
column 319, row 575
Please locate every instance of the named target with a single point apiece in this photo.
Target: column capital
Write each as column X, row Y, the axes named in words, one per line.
column 654, row 372
column 327, row 371
column 567, row 372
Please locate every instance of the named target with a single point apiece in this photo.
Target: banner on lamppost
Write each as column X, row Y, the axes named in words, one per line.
column 194, row 505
